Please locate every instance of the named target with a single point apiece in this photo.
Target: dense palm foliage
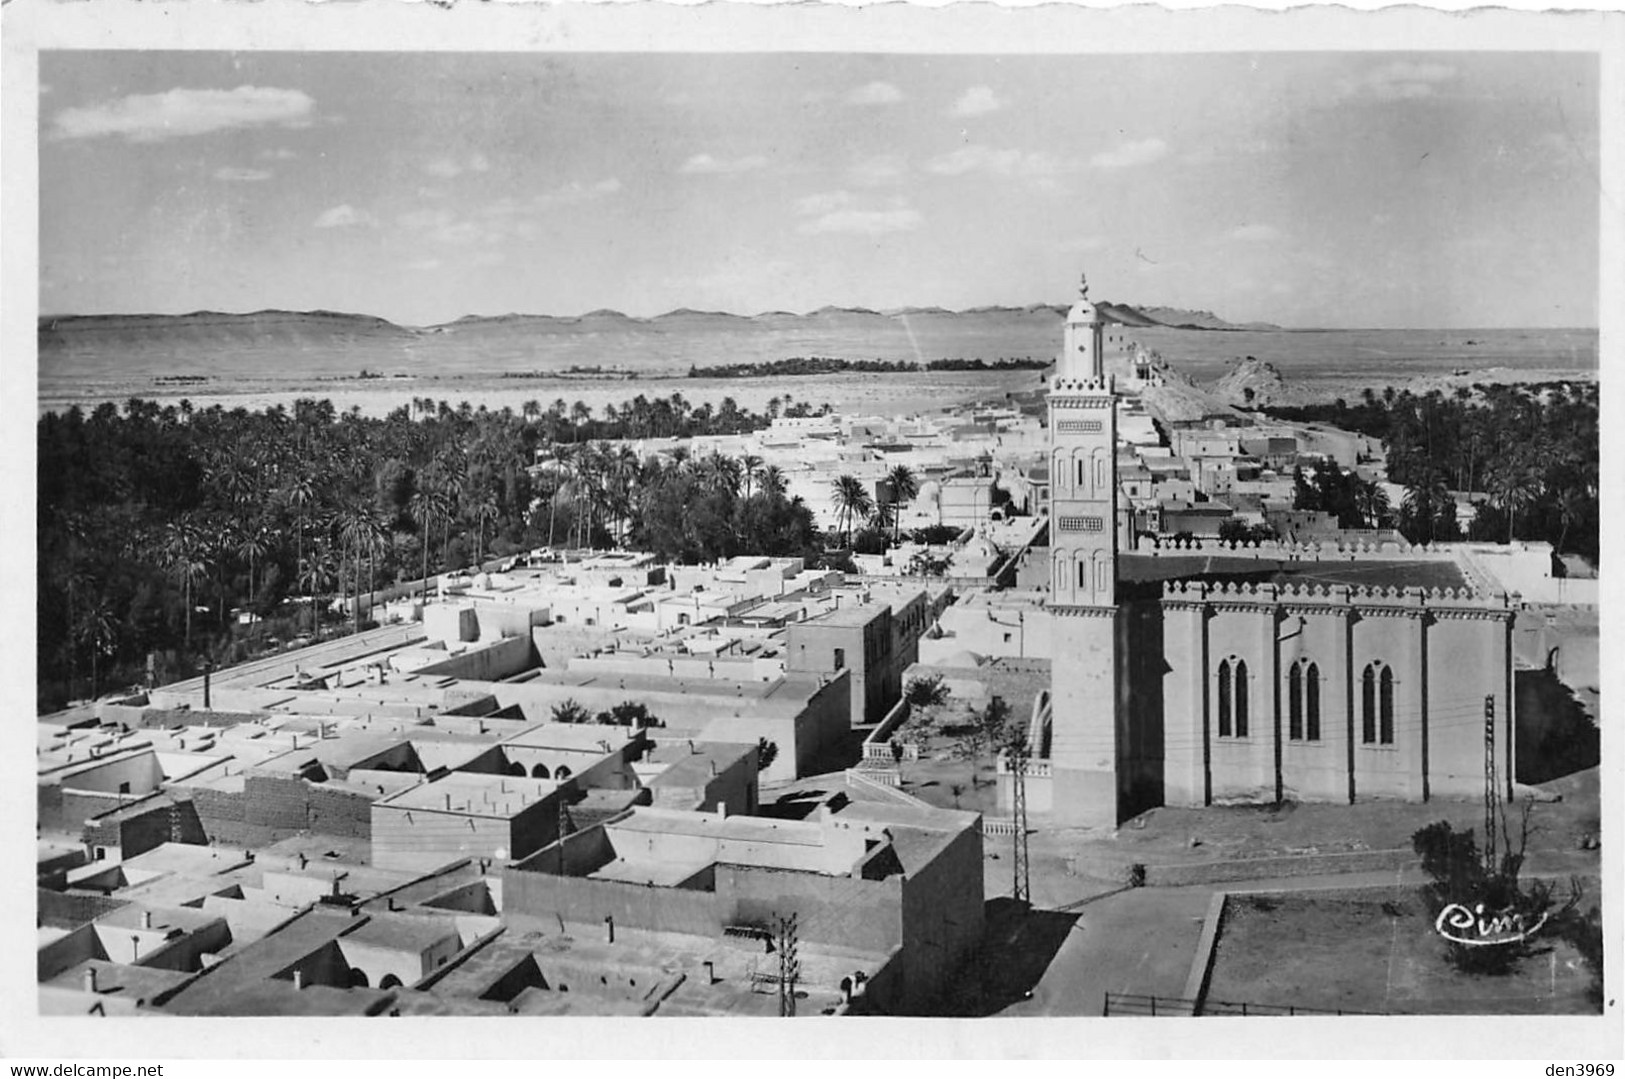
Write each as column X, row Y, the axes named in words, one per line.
column 156, row 524
column 1532, row 449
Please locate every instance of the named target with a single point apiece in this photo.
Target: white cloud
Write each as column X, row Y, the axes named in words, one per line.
column 1398, row 81
column 863, row 222
column 575, row 192
column 841, row 211
column 979, row 158
column 233, row 174
column 281, row 153
column 874, row 93
column 423, row 264
column 1129, row 154
column 977, row 101
column 1255, row 233
column 705, row 164
column 181, row 112
column 824, row 202
column 881, row 169
column 447, row 167
column 344, row 216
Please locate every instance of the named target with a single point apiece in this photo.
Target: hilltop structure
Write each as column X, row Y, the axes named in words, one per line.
column 1194, row 675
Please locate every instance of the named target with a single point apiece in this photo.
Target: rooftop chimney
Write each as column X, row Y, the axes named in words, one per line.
column 90, row 979
column 298, row 980
column 146, row 919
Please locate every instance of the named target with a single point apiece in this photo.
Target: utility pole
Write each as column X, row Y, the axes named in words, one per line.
column 789, row 966
column 1016, row 754
column 1492, row 791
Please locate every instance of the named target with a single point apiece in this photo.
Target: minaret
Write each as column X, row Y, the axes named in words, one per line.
column 1083, row 575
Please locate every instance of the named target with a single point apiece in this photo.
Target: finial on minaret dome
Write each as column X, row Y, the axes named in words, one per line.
column 1083, row 286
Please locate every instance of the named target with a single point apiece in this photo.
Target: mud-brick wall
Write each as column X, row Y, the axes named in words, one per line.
column 332, row 811
column 545, row 897
column 221, row 815
column 275, row 802
column 848, row 911
column 942, row 918
column 64, row 910
column 138, row 831
column 61, row 810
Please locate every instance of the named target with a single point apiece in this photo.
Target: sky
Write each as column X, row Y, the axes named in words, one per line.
column 1305, row 189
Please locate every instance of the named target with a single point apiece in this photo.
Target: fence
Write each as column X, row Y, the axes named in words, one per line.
column 879, row 746
column 1139, row 1004
column 884, row 784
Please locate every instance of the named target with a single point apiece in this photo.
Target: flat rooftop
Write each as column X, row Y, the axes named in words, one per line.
column 471, row 794
column 581, row 737
column 694, row 769
column 846, row 615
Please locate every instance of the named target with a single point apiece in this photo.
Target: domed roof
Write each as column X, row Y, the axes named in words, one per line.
column 1082, row 310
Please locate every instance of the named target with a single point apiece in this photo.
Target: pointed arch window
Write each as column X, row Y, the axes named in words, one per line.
column 1294, row 703
column 1368, row 705
column 1311, row 690
column 1232, row 698
column 1241, row 699
column 1303, row 702
column 1377, row 704
column 1385, row 707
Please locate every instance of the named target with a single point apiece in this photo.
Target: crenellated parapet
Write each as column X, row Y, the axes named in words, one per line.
column 1309, row 596
column 1087, row 386
column 1305, row 551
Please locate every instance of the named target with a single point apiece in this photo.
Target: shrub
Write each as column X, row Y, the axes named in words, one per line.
column 926, row 692
column 568, row 711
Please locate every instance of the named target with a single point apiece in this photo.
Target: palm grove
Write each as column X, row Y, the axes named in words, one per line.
column 1530, row 450
column 157, row 524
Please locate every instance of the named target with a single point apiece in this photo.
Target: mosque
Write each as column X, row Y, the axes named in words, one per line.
column 1202, row 676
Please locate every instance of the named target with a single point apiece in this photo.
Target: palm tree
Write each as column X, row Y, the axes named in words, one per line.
column 774, row 484
column 903, row 489
column 1427, row 509
column 425, row 508
column 183, row 556
column 97, row 629
column 1514, row 485
column 719, row 472
column 1371, row 502
column 751, row 470
column 314, row 574
column 851, row 501
column 360, row 534
column 299, row 494
column 484, row 511
column 252, row 544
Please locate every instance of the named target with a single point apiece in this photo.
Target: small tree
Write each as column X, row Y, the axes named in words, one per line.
column 993, row 720
column 926, row 692
column 1461, row 876
column 766, row 753
column 568, row 711
column 634, row 714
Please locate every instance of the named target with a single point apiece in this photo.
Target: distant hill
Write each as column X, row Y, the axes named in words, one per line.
column 258, row 323
column 1182, row 319
column 110, row 349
